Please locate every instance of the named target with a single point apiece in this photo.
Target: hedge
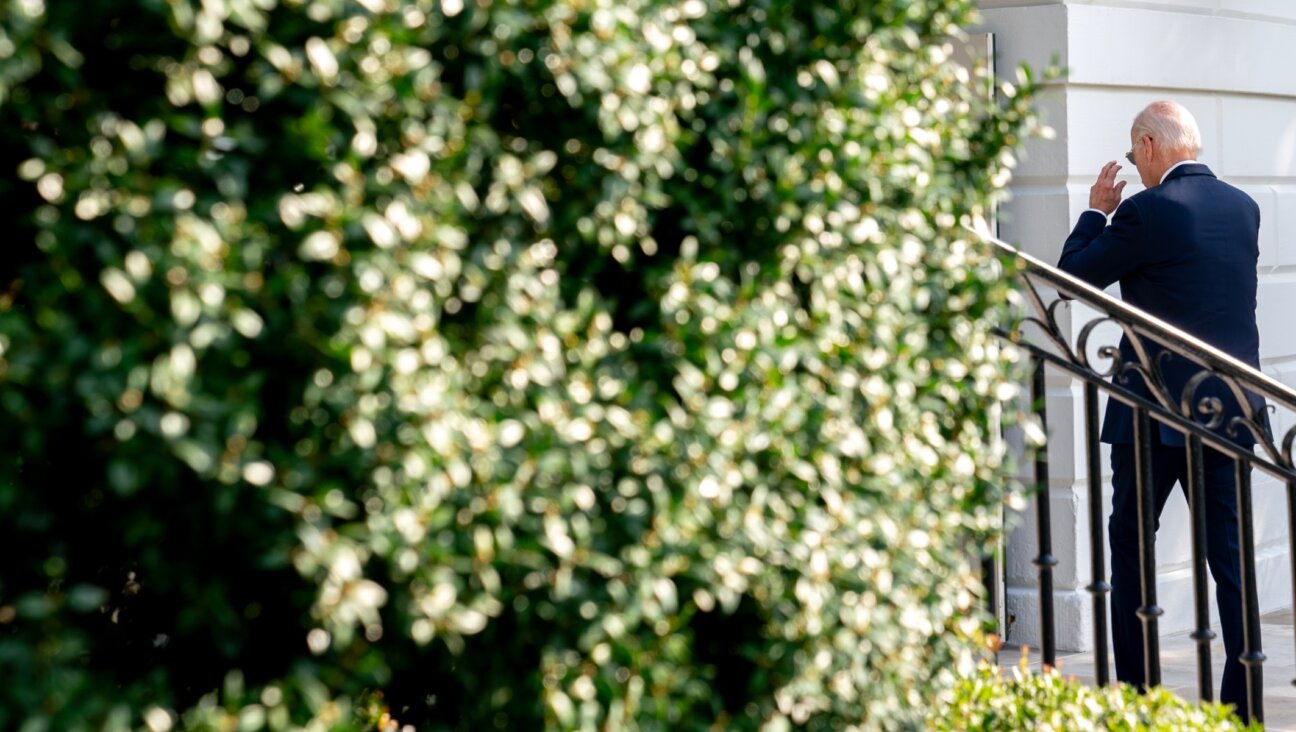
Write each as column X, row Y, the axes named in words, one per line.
column 469, row 365
column 997, row 700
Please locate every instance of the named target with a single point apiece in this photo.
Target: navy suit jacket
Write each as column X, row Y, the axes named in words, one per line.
column 1184, row 251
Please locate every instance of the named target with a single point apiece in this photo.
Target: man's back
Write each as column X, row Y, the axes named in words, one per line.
column 1185, row 251
column 1200, row 270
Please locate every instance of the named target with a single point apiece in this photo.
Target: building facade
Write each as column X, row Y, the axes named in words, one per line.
column 1230, row 62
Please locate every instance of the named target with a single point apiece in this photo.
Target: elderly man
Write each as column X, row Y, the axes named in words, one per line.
column 1184, row 250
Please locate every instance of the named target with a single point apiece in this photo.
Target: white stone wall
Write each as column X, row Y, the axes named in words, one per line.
column 1233, row 64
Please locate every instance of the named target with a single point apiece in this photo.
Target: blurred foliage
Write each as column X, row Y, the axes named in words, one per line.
column 996, row 701
column 495, row 365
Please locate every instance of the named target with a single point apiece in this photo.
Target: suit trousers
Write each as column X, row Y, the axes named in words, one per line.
column 1170, row 465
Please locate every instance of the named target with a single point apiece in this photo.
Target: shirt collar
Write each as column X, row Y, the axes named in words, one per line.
column 1172, row 167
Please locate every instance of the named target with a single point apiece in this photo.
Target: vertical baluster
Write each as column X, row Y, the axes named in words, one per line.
column 1149, row 612
column 1252, row 656
column 1291, row 538
column 1045, row 561
column 1099, row 587
column 1201, row 596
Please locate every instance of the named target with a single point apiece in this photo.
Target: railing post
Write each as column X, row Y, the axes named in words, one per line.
column 1098, row 564
column 1149, row 612
column 1202, row 634
column 1045, row 561
column 1252, row 656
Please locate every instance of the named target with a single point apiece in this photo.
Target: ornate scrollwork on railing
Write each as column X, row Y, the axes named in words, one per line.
column 1046, row 321
column 1288, row 443
column 1108, row 352
column 1149, row 348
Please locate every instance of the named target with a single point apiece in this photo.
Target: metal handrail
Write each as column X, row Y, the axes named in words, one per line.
column 1180, row 342
column 1200, row 419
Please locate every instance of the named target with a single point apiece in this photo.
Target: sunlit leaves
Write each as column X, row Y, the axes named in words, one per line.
column 594, row 356
column 991, row 700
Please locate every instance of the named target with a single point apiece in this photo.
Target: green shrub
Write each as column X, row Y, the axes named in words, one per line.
column 993, row 700
column 611, row 364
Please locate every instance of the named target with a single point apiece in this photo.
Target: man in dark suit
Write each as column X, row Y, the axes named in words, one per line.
column 1185, row 251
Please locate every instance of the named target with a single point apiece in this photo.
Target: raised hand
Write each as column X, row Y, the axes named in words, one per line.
column 1105, row 194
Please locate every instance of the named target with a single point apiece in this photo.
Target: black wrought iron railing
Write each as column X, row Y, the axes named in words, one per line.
column 1101, row 367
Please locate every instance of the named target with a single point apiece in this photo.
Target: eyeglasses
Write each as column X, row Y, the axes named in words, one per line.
column 1130, row 155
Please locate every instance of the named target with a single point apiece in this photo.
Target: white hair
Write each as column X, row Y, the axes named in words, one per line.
column 1170, row 125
